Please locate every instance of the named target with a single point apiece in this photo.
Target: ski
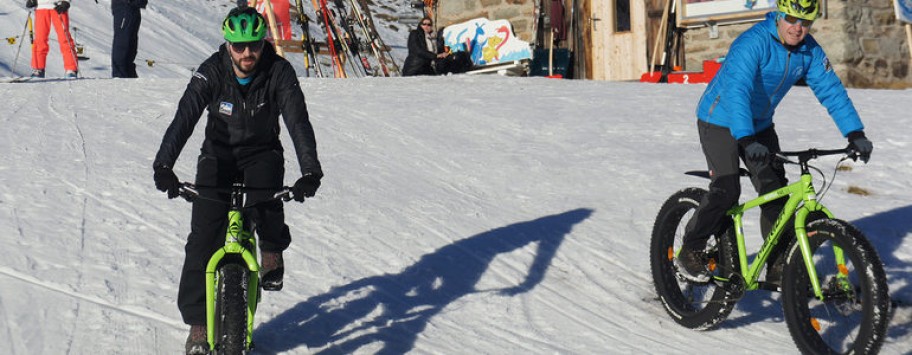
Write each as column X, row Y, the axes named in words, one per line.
column 322, row 16
column 364, row 15
column 310, row 47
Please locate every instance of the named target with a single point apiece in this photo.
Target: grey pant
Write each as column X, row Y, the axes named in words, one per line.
column 723, row 156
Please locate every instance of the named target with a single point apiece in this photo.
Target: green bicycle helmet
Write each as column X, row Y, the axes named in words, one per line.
column 244, row 24
column 803, row 9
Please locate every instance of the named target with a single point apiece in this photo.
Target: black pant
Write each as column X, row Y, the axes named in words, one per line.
column 723, row 155
column 209, row 220
column 126, row 40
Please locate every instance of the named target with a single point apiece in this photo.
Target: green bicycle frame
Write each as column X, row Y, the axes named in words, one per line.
column 234, row 239
column 802, row 200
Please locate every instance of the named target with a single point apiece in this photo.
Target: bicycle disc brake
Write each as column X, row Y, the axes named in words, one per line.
column 842, row 295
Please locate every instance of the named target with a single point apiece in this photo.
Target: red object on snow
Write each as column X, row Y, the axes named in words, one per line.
column 710, row 68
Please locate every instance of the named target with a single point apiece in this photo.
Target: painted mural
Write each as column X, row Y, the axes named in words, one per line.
column 487, row 42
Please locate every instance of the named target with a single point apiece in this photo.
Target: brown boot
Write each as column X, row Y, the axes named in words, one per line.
column 272, row 271
column 197, row 341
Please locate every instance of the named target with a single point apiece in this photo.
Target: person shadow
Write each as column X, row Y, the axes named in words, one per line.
column 390, row 311
column 886, row 231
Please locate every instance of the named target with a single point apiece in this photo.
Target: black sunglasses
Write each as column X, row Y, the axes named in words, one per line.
column 239, row 47
column 426, row 24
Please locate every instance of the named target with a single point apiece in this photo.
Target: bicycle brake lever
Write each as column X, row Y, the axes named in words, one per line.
column 851, row 154
column 284, row 195
column 188, row 191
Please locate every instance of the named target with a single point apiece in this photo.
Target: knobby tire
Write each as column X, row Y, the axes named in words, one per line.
column 695, row 306
column 853, row 317
column 232, row 310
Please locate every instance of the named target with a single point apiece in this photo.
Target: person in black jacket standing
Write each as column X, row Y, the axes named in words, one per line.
column 424, row 48
column 126, row 36
column 245, row 86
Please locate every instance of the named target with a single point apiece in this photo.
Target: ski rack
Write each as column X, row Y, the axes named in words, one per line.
column 351, row 45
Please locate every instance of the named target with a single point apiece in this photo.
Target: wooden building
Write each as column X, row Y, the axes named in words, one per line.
column 622, row 39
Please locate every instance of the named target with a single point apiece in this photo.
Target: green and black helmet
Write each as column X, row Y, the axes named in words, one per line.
column 244, row 24
column 803, row 9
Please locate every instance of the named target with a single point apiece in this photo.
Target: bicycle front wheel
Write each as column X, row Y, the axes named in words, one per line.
column 693, row 305
column 852, row 317
column 231, row 308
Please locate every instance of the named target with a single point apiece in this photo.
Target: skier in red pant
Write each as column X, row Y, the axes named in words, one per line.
column 54, row 12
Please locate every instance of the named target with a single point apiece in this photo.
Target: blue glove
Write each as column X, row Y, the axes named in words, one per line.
column 859, row 143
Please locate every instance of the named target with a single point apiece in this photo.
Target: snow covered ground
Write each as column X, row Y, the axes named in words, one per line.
column 458, row 215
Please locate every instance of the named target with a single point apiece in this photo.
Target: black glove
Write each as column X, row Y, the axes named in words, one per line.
column 166, row 181
column 754, row 151
column 31, row 4
column 306, row 186
column 61, row 6
column 861, row 144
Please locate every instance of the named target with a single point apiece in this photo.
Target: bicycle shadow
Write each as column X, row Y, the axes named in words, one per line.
column 886, row 231
column 392, row 310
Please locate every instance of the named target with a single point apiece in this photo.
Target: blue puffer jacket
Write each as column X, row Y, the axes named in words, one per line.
column 759, row 70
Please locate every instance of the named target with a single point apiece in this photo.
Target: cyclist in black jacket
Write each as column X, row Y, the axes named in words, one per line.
column 245, row 86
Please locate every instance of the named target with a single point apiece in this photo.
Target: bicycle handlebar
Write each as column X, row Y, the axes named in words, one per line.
column 806, row 155
column 190, row 191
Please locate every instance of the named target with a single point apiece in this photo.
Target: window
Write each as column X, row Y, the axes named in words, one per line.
column 622, row 16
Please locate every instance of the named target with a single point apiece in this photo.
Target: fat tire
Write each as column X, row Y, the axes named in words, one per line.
column 232, row 311
column 695, row 306
column 865, row 318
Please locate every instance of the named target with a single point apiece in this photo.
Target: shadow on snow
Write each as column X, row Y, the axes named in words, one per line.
column 392, row 310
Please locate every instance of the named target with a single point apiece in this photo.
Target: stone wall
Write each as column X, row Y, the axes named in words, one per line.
column 863, row 40
column 520, row 13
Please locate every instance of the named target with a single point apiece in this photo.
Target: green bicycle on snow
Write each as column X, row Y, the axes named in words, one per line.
column 232, row 274
column 834, row 290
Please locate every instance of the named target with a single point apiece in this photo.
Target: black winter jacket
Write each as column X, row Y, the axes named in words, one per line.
column 242, row 123
column 419, row 59
column 135, row 3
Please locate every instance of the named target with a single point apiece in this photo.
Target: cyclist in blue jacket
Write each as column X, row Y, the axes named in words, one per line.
column 735, row 121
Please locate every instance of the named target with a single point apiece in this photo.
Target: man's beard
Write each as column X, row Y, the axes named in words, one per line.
column 240, row 67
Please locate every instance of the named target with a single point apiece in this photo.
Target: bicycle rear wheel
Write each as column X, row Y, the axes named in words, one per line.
column 231, row 310
column 854, row 314
column 693, row 305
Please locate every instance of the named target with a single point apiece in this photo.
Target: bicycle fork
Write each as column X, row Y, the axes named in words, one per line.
column 235, row 239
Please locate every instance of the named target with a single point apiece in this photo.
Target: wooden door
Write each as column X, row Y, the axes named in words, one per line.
column 616, row 32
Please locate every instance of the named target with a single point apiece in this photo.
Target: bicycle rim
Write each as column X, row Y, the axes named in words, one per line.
column 853, row 316
column 696, row 306
column 231, row 310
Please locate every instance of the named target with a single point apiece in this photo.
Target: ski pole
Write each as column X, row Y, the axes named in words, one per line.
column 28, row 23
column 68, row 38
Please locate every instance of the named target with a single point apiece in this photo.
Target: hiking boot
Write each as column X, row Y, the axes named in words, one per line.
column 38, row 73
column 691, row 265
column 272, row 271
column 197, row 341
column 71, row 74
